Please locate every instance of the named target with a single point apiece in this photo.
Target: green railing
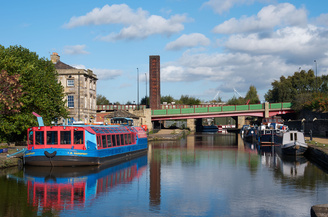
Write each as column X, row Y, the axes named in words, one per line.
column 226, row 108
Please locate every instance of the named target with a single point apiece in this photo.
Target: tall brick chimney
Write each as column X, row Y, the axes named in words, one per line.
column 55, row 57
column 154, row 82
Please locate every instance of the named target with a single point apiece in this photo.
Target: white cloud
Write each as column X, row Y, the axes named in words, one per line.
column 188, row 41
column 107, row 74
column 239, row 70
column 79, row 66
column 220, row 6
column 268, row 18
column 75, row 49
column 115, row 14
column 149, row 26
column 295, row 44
column 322, row 20
column 137, row 24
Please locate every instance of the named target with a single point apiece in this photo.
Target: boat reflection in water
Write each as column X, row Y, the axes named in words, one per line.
column 290, row 166
column 65, row 188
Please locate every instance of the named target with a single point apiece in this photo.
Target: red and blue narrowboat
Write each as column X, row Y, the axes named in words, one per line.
column 83, row 145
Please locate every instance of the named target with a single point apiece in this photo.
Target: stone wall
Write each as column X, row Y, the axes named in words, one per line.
column 144, row 118
column 318, row 127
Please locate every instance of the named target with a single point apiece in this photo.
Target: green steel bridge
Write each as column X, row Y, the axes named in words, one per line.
column 175, row 112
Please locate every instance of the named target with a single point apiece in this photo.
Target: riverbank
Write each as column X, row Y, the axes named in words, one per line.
column 168, row 134
column 5, row 161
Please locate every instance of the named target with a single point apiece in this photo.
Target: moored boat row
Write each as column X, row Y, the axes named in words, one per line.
column 276, row 133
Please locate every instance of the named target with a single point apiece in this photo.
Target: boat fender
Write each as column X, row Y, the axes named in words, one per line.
column 48, row 155
column 50, row 178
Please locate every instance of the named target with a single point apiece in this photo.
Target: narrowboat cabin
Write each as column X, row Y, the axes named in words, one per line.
column 291, row 142
column 83, row 145
column 122, row 121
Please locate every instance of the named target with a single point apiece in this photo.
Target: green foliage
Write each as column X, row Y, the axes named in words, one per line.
column 217, row 100
column 188, row 100
column 286, row 89
column 303, row 89
column 236, row 101
column 318, row 103
column 43, row 93
column 252, row 96
column 167, row 99
column 10, row 92
column 143, row 101
column 102, row 100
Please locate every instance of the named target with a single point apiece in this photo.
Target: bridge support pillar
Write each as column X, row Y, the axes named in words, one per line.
column 191, row 124
column 266, row 110
column 240, row 122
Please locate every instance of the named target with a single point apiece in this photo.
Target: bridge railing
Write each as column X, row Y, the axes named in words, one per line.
column 221, row 108
column 119, row 107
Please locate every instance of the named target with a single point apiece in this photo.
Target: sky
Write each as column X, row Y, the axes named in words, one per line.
column 207, row 48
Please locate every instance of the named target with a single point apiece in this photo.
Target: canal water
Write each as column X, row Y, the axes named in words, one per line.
column 206, row 174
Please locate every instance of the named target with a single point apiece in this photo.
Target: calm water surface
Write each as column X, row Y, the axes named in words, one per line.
column 201, row 175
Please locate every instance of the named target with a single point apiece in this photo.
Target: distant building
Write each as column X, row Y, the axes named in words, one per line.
column 80, row 87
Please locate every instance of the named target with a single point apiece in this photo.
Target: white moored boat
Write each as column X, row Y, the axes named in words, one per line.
column 291, row 142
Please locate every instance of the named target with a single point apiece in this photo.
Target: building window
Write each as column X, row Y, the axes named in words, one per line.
column 85, row 102
column 70, row 83
column 70, row 101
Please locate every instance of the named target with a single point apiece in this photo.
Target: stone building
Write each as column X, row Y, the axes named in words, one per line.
column 80, row 87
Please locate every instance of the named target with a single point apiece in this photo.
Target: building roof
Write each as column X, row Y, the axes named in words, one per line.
column 60, row 65
column 121, row 113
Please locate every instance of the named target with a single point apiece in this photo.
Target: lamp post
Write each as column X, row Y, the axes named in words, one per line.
column 146, row 88
column 78, row 99
column 316, row 70
column 137, row 89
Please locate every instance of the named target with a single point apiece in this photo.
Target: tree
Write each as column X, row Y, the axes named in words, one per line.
column 252, row 96
column 43, row 93
column 144, row 100
column 188, row 100
column 102, row 100
column 217, row 100
column 168, row 99
column 11, row 91
column 303, row 89
column 286, row 89
column 236, row 101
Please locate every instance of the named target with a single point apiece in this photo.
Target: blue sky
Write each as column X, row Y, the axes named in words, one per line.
column 207, row 48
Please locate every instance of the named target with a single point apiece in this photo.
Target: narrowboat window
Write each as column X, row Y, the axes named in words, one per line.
column 98, row 141
column 114, row 140
column 30, row 138
column 295, row 136
column 78, row 137
column 52, row 138
column 65, row 137
column 129, row 138
column 291, row 137
column 118, row 140
column 122, row 140
column 126, row 139
column 39, row 138
column 109, row 141
column 103, row 138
